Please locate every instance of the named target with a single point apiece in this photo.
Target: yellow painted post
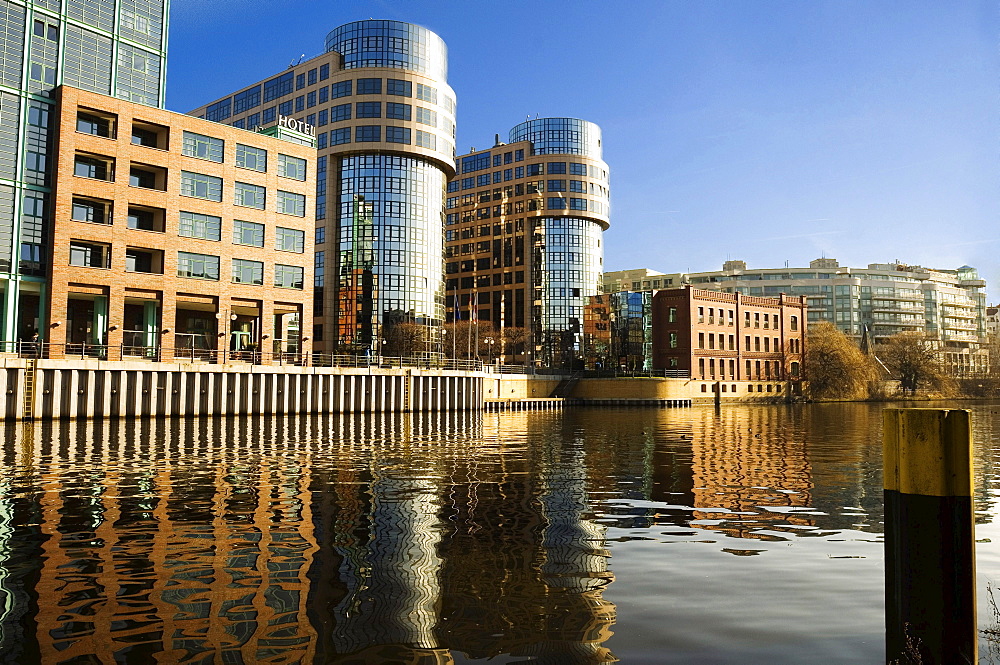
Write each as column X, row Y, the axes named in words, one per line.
column 930, row 577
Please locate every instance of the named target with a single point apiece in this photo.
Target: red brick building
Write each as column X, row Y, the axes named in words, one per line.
column 728, row 336
column 175, row 236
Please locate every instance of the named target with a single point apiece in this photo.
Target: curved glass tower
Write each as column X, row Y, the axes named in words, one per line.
column 383, row 114
column 524, row 224
column 392, row 178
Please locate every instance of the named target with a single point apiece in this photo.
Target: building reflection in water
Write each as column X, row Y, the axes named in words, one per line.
column 354, row 538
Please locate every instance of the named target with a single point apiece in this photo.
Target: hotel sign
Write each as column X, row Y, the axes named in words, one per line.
column 291, row 123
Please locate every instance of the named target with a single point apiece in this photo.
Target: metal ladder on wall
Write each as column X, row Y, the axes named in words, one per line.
column 28, row 406
column 407, row 379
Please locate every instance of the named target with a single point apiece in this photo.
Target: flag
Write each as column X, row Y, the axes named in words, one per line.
column 458, row 312
column 474, row 306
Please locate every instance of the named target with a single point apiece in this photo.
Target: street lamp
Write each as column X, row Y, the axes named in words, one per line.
column 489, row 341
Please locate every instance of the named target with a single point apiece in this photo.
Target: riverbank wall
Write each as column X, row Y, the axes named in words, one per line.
column 54, row 389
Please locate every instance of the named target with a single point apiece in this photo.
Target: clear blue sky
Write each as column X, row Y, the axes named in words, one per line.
column 770, row 131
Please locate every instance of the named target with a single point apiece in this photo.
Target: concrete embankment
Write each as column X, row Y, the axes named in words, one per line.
column 51, row 389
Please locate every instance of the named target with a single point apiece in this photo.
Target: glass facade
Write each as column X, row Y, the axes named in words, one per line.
column 109, row 48
column 390, row 44
column 566, row 270
column 559, row 136
column 390, row 257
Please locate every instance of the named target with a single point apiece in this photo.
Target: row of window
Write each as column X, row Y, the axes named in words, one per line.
column 750, row 387
column 87, row 254
column 193, row 144
column 518, row 207
column 281, row 86
column 726, row 317
column 755, row 370
column 189, row 224
column 530, row 187
column 374, row 133
column 794, row 344
column 196, row 185
column 247, row 157
column 531, row 170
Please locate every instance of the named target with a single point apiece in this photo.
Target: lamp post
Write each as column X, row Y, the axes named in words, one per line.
column 489, row 344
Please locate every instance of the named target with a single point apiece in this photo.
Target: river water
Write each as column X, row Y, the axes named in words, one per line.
column 751, row 535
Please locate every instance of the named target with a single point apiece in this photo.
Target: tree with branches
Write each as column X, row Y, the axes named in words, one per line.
column 913, row 358
column 835, row 367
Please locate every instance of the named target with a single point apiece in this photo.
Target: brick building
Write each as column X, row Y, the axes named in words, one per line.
column 715, row 336
column 175, row 235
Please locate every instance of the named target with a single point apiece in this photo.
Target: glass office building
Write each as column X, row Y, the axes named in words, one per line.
column 524, row 225
column 111, row 48
column 383, row 115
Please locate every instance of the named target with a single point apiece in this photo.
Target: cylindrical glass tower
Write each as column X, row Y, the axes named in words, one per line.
column 394, row 155
column 568, row 252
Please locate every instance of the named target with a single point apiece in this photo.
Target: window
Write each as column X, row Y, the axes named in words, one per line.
column 427, row 93
column 701, row 340
column 147, row 177
column 246, row 100
column 91, row 210
column 197, row 225
column 324, row 118
column 557, row 167
column 291, row 203
column 248, row 233
column 324, row 95
column 88, row 123
column 291, row 167
column 145, row 219
column 367, row 133
column 557, row 185
column 300, row 81
column 285, row 108
column 278, row 87
column 397, row 111
column 556, row 203
column 288, row 277
column 397, row 135
column 369, row 86
column 201, row 186
column 577, row 169
column 249, row 157
column 673, row 340
column 311, row 99
column 143, row 260
column 342, row 89
column 368, row 110
column 151, row 136
column 98, row 168
column 321, row 140
column 794, row 323
column 426, row 140
column 398, row 87
column 89, row 254
column 197, row 266
column 248, row 272
column 324, row 72
column 289, row 240
column 249, row 196
column 340, row 112
column 340, row 136
column 536, row 169
column 202, row 147
column 426, row 116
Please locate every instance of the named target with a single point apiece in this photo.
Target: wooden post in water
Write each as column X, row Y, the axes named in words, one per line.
column 930, row 577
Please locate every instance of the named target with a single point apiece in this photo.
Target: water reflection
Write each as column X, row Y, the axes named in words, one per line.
column 432, row 538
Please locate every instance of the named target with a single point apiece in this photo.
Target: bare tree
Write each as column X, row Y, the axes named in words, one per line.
column 835, row 367
column 914, row 359
column 404, row 339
